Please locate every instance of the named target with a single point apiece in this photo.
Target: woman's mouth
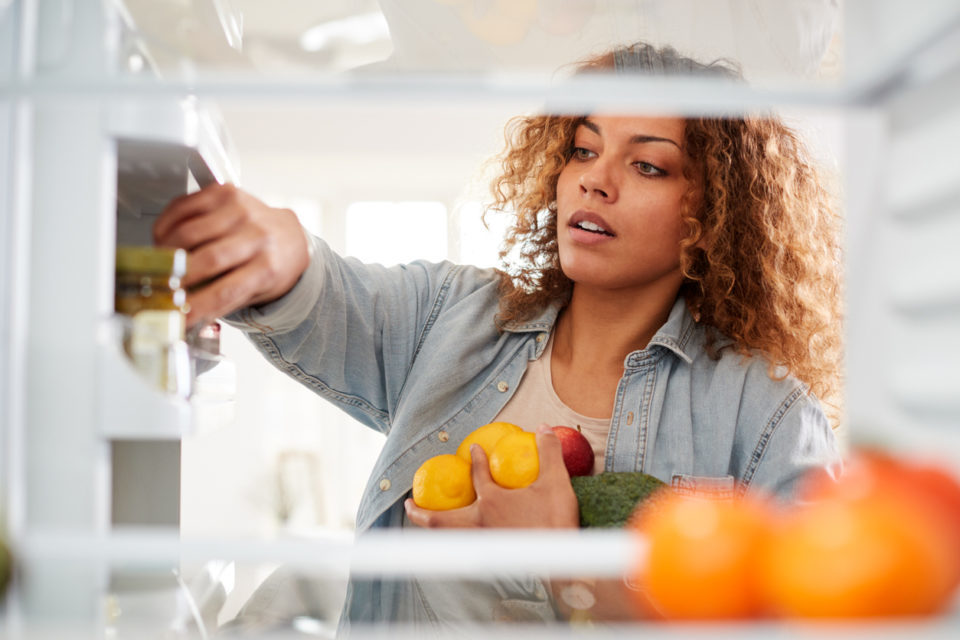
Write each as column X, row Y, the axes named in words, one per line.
column 587, row 227
column 592, row 227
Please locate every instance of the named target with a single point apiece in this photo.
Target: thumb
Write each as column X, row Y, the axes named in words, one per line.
column 551, row 454
column 480, row 470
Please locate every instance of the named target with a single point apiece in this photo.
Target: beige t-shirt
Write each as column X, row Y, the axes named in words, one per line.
column 535, row 402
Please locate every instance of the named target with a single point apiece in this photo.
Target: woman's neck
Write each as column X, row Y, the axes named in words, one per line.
column 598, row 328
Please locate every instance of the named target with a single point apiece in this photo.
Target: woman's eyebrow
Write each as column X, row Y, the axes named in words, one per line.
column 637, row 139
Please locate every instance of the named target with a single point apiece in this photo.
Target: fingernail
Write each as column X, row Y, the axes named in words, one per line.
column 544, row 428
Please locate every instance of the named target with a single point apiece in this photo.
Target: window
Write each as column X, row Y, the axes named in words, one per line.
column 478, row 244
column 396, row 232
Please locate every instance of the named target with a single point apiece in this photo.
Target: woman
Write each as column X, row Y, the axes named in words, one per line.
column 676, row 293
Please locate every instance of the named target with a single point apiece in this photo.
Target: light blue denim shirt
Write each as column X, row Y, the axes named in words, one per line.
column 412, row 351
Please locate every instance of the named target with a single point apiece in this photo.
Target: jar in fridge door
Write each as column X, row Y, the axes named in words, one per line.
column 149, row 278
column 150, row 295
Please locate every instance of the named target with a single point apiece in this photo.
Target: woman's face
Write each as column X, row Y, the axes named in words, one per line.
column 619, row 200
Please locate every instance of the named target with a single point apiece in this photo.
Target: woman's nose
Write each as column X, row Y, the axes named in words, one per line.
column 598, row 181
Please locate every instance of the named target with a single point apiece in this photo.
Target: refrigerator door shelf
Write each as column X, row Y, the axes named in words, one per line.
column 133, row 408
column 165, row 148
column 184, row 122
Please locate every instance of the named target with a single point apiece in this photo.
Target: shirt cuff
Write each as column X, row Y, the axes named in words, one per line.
column 291, row 309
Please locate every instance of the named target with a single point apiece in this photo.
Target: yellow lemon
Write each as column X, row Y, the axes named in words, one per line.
column 487, row 437
column 514, row 462
column 443, row 482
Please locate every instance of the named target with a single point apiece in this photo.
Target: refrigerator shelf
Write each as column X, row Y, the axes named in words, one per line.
column 863, row 44
column 327, row 558
column 132, row 409
column 163, row 147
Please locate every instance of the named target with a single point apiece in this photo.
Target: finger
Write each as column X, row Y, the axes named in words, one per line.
column 225, row 295
column 201, row 229
column 220, row 256
column 190, row 205
column 465, row 517
column 551, row 454
column 483, row 482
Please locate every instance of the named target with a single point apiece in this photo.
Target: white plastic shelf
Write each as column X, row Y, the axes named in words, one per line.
column 130, row 407
column 163, row 145
column 133, row 409
column 183, row 123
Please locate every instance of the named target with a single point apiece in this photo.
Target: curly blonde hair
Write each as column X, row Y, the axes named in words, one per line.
column 761, row 259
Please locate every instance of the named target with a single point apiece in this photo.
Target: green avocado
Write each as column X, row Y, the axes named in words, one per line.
column 607, row 499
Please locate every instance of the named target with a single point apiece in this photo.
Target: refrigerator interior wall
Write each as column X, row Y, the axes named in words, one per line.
column 10, row 315
column 903, row 300
column 7, row 231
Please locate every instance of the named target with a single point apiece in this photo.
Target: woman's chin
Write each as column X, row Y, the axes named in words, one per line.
column 584, row 271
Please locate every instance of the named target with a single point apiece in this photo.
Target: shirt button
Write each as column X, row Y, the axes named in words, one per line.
column 443, row 436
column 502, row 386
column 541, row 337
column 384, row 484
column 578, row 595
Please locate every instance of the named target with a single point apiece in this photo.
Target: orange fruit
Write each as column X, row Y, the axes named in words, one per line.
column 702, row 557
column 862, row 471
column 514, row 461
column 940, row 490
column 487, row 437
column 443, row 482
column 927, row 493
column 864, row 556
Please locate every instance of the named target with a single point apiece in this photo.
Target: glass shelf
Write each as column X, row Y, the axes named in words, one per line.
column 408, row 37
column 325, row 560
column 860, row 44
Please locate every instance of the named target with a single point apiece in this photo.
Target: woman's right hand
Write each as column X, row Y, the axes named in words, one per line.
column 240, row 250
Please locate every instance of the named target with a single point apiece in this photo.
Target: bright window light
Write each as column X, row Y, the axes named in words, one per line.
column 479, row 245
column 308, row 210
column 397, row 232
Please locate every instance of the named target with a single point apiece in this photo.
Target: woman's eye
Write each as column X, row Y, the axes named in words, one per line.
column 580, row 153
column 648, row 169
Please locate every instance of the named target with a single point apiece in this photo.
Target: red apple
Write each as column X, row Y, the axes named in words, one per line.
column 577, row 452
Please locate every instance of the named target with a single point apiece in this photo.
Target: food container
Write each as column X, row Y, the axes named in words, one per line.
column 150, row 294
column 149, row 278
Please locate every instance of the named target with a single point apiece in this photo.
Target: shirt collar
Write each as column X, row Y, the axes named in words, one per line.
column 676, row 332
column 544, row 321
column 674, row 335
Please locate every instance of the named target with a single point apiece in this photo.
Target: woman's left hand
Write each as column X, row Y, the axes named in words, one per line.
column 547, row 503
